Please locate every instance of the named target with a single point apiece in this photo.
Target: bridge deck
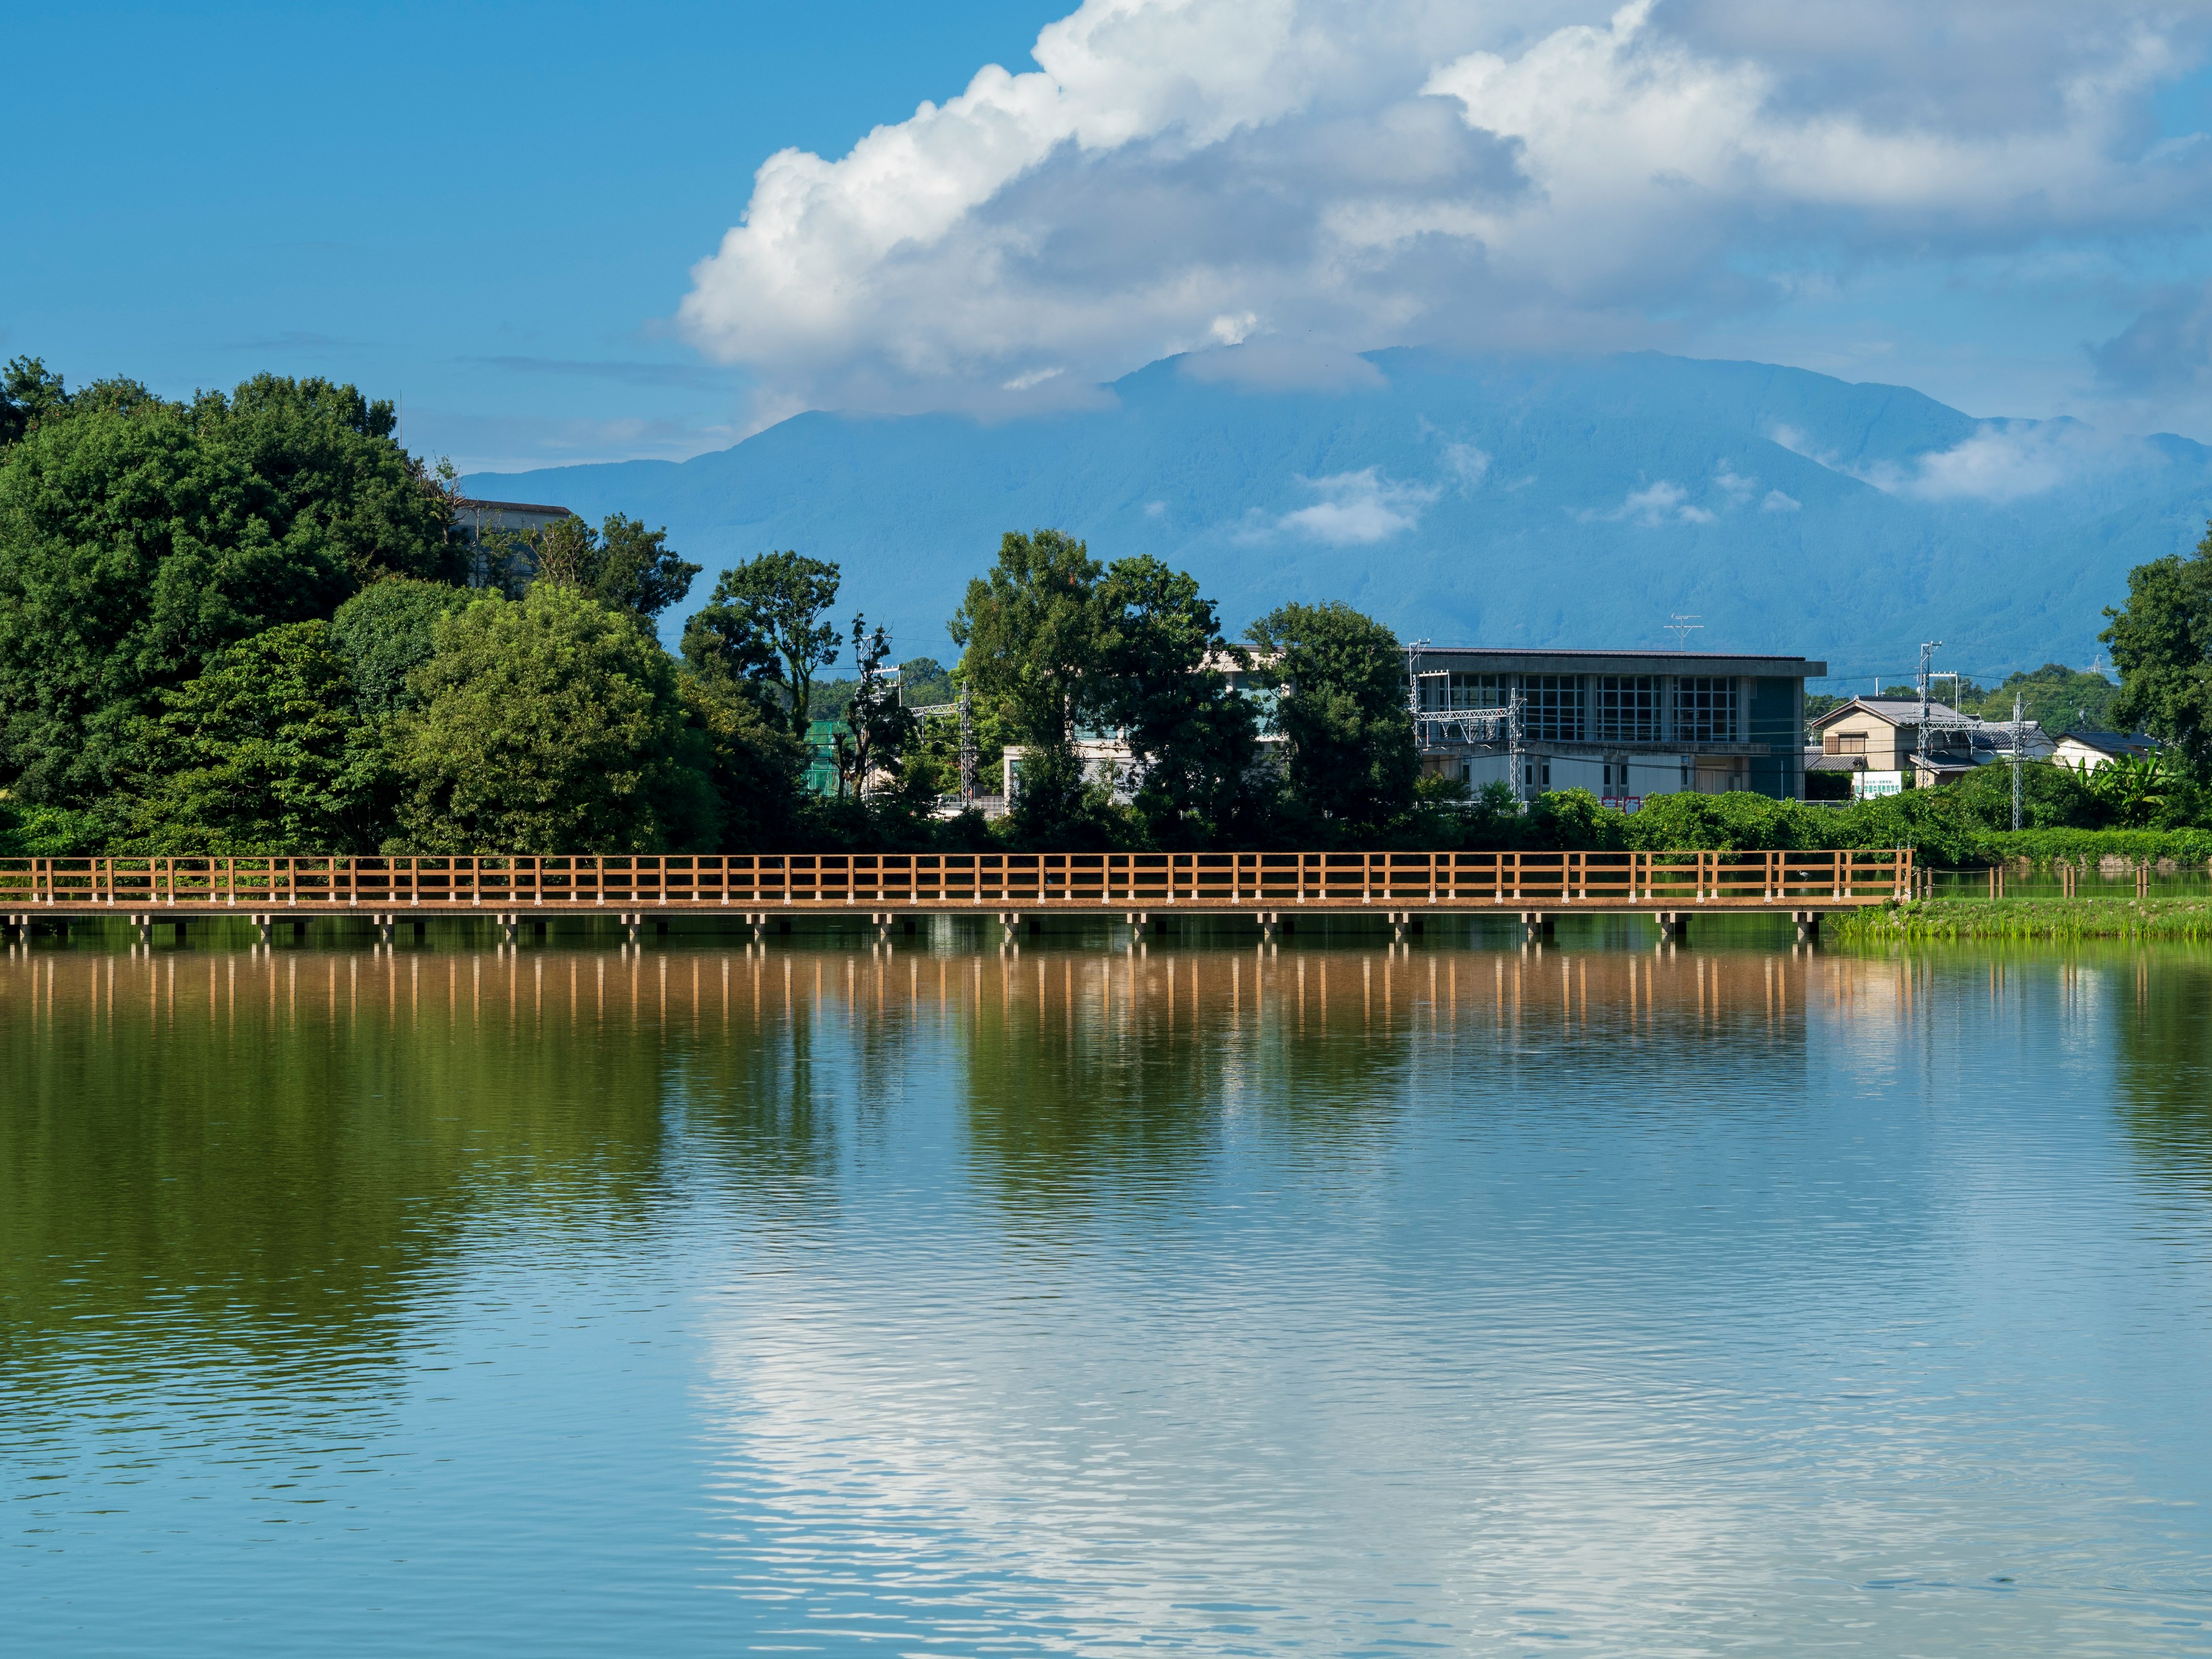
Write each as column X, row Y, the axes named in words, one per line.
column 1032, row 883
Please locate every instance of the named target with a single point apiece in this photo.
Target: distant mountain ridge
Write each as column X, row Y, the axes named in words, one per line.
column 1491, row 500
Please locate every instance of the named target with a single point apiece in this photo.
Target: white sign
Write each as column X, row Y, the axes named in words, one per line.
column 1624, row 803
column 1867, row 786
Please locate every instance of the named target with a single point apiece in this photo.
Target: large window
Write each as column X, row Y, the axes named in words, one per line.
column 1555, row 706
column 1451, row 691
column 1627, row 709
column 1705, row 710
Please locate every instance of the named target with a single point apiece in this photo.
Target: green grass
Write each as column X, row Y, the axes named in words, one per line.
column 2028, row 918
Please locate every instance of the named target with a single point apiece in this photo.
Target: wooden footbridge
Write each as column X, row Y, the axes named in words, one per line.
column 768, row 891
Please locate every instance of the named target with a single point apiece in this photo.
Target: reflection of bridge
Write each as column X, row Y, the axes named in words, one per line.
column 765, row 888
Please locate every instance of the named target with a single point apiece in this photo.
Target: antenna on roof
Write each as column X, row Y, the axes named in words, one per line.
column 1682, row 626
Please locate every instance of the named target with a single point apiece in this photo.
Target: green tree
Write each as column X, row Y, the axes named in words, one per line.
column 763, row 630
column 549, row 725
column 132, row 550
column 1341, row 710
column 2161, row 642
column 335, row 476
column 1028, row 631
column 28, row 392
column 2061, row 699
column 752, row 765
column 1161, row 682
column 622, row 564
column 262, row 753
column 876, row 727
column 387, row 631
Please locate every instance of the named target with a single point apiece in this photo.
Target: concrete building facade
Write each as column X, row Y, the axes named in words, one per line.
column 1623, row 724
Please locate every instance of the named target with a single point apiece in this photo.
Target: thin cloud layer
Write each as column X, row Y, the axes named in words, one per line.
column 1179, row 175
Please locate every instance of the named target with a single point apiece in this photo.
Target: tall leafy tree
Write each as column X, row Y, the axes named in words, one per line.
column 1341, row 708
column 1030, row 634
column 763, row 630
column 622, row 564
column 552, row 723
column 1162, row 680
column 336, row 476
column 28, row 391
column 138, row 538
column 262, row 753
column 2161, row 643
column 131, row 550
column 387, row 631
column 877, row 726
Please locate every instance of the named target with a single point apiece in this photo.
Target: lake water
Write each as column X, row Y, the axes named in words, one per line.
column 1335, row 1299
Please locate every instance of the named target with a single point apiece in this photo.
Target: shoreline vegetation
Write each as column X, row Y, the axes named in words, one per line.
column 253, row 625
column 2040, row 919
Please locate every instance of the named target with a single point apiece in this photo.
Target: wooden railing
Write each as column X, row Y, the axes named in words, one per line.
column 1099, row 881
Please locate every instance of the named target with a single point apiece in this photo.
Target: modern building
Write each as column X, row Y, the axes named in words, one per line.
column 476, row 519
column 2085, row 752
column 1620, row 724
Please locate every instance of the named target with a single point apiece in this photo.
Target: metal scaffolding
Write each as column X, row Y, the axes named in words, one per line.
column 1473, row 731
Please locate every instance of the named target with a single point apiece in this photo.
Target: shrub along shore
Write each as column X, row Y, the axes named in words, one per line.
column 2027, row 919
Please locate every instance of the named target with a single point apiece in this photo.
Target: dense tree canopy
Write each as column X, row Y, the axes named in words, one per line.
column 549, row 725
column 387, row 631
column 764, row 631
column 1029, row 630
column 1161, row 681
column 622, row 564
column 262, row 753
column 2161, row 642
column 139, row 537
column 1342, row 711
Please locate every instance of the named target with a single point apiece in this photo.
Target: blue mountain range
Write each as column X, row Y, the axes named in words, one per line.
column 1498, row 501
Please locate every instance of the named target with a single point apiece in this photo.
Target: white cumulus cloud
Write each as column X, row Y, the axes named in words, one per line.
column 1663, row 502
column 1357, row 509
column 1175, row 175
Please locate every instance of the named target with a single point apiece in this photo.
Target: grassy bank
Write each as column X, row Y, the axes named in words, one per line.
column 2028, row 918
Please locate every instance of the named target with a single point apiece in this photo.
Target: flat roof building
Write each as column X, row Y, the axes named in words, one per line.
column 1620, row 724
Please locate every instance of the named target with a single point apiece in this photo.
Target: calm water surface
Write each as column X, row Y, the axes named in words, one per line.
column 1337, row 1300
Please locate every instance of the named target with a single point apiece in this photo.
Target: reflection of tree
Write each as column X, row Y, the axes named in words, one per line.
column 1089, row 1076
column 1086, row 1077
column 2162, row 1061
column 265, row 1158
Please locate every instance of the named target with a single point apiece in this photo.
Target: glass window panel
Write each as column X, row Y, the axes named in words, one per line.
column 1628, row 708
column 1705, row 710
column 1555, row 706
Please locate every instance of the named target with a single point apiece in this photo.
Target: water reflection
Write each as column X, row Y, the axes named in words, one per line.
column 1067, row 1299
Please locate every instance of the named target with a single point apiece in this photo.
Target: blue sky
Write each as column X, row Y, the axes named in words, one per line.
column 500, row 213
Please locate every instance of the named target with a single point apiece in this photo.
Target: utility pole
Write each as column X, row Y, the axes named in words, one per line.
column 1521, row 793
column 1681, row 625
column 2016, row 733
column 967, row 749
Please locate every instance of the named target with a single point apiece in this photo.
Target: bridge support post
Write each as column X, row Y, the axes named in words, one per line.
column 384, row 929
column 757, row 920
column 261, row 927
column 1267, row 919
column 507, row 921
column 1399, row 919
column 1808, row 926
column 1010, row 923
column 632, row 920
column 142, row 925
column 1674, row 926
column 1535, row 926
